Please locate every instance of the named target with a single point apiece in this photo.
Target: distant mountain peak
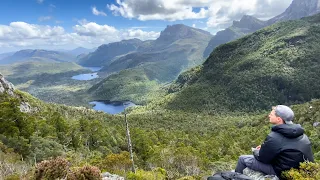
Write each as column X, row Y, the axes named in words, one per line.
column 179, row 31
column 249, row 22
column 297, row 10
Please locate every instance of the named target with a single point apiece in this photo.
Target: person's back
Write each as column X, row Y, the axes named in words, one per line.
column 290, row 146
column 284, row 148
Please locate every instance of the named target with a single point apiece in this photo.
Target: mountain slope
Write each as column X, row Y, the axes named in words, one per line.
column 80, row 50
column 4, row 55
column 276, row 65
column 105, row 53
column 178, row 48
column 37, row 55
column 297, row 10
column 249, row 24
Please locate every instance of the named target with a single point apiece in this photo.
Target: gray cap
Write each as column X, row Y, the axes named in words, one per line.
column 285, row 113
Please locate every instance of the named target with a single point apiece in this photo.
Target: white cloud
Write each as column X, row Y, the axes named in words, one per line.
column 40, row 1
column 110, row 33
column 98, row 13
column 44, row 18
column 93, row 29
column 219, row 12
column 138, row 33
column 19, row 35
column 223, row 12
column 159, row 9
column 194, row 25
column 58, row 22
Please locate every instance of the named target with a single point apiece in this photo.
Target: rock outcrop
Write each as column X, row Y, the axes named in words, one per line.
column 258, row 175
column 109, row 176
column 297, row 10
column 8, row 88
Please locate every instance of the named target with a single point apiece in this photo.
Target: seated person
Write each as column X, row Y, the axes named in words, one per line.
column 284, row 148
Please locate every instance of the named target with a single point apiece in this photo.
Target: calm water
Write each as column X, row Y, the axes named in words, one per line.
column 89, row 76
column 85, row 76
column 110, row 108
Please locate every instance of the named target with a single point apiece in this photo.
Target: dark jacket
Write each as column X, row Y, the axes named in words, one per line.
column 285, row 147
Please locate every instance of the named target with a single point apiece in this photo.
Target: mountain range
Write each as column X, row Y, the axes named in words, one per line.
column 141, row 72
column 107, row 52
column 37, row 55
column 276, row 65
column 80, row 50
column 249, row 24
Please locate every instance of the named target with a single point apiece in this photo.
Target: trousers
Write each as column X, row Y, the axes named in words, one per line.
column 251, row 162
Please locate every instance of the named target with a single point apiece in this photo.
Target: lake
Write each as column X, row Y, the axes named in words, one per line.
column 89, row 76
column 85, row 76
column 111, row 107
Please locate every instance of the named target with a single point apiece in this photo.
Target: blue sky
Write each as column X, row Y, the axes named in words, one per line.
column 67, row 24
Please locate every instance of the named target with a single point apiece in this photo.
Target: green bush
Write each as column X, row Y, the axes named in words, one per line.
column 156, row 174
column 187, row 178
column 307, row 171
column 13, row 177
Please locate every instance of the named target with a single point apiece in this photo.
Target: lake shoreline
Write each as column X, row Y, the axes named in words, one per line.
column 115, row 103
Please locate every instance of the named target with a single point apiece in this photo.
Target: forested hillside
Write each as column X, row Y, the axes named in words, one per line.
column 276, row 65
column 181, row 143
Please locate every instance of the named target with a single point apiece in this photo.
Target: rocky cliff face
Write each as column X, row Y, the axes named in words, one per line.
column 249, row 22
column 297, row 10
column 8, row 88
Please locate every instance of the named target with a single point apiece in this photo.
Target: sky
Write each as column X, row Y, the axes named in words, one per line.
column 67, row 24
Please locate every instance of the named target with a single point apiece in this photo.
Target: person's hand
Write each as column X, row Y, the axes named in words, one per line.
column 258, row 147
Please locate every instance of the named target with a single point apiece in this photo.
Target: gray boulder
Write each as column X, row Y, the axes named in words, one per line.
column 109, row 176
column 258, row 175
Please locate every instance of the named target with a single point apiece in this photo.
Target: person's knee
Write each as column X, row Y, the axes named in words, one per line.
column 242, row 158
column 246, row 160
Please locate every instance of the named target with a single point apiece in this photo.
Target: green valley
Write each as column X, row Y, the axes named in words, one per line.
column 193, row 116
column 49, row 81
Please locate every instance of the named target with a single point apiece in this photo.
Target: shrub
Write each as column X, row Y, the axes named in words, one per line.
column 307, row 171
column 13, row 177
column 117, row 163
column 52, row 169
column 87, row 173
column 156, row 174
column 187, row 178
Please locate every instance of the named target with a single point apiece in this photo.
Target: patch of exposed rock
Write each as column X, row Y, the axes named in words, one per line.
column 258, row 175
column 8, row 88
column 109, row 176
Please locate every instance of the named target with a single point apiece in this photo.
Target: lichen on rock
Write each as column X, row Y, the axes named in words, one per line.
column 8, row 88
column 258, row 175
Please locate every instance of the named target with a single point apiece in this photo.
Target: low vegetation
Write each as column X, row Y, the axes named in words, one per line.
column 181, row 143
